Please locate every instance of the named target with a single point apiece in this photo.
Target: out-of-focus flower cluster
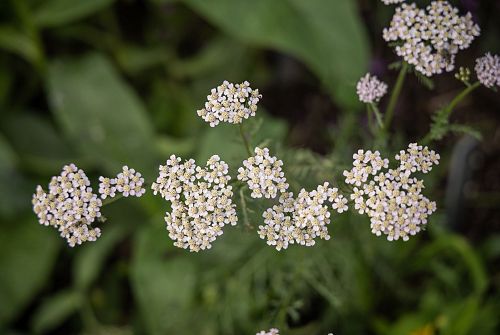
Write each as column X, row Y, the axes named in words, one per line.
column 263, row 174
column 272, row 331
column 370, row 89
column 488, row 70
column 393, row 200
column 128, row 182
column 201, row 201
column 230, row 103
column 430, row 39
column 392, row 2
column 302, row 219
column 69, row 205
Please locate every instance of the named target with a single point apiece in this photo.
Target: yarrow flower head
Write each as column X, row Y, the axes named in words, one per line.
column 430, row 39
column 230, row 103
column 488, row 70
column 128, row 183
column 302, row 219
column 69, row 205
column 201, row 201
column 263, row 174
column 392, row 2
column 370, row 89
column 393, row 200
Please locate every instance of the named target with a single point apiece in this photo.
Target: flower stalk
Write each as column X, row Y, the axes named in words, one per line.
column 389, row 114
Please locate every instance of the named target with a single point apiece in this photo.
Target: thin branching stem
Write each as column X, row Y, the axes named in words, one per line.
column 389, row 113
column 245, row 140
column 468, row 90
column 377, row 114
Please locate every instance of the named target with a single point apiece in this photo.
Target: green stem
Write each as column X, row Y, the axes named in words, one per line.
column 378, row 116
column 468, row 90
column 370, row 120
column 245, row 140
column 389, row 113
column 451, row 106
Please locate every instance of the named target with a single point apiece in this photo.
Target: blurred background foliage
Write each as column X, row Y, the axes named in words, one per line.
column 103, row 83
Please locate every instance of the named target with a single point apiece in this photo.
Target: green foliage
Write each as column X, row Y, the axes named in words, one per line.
column 53, row 13
column 441, row 126
column 55, row 310
column 326, row 35
column 27, row 255
column 101, row 114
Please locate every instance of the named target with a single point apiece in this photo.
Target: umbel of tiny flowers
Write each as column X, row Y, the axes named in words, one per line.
column 370, row 89
column 263, row 174
column 70, row 206
column 128, row 182
column 201, row 201
column 488, row 70
column 230, row 103
column 300, row 220
column 430, row 39
column 392, row 2
column 392, row 200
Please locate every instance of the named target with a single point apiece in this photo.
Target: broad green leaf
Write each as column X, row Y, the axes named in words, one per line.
column 48, row 153
column 163, row 281
column 101, row 113
column 58, row 12
column 55, row 310
column 326, row 35
column 27, row 254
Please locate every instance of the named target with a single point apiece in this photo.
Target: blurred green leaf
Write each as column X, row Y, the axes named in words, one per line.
column 326, row 35
column 460, row 316
column 27, row 254
column 19, row 43
column 58, row 12
column 466, row 256
column 48, row 153
column 163, row 281
column 15, row 194
column 101, row 113
column 90, row 258
column 55, row 310
column 135, row 59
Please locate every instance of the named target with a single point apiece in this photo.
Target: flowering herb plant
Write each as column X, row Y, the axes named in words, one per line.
column 190, row 209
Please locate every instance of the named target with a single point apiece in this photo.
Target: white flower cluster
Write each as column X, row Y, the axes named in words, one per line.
column 300, row 220
column 392, row 200
column 392, row 2
column 430, row 39
column 488, row 70
column 263, row 174
column 370, row 89
column 272, row 331
column 201, row 201
column 70, row 206
column 230, row 103
column 128, row 182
